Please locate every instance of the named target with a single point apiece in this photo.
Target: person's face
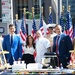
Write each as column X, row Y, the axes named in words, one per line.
column 58, row 29
column 50, row 30
column 12, row 29
column 30, row 40
column 37, row 34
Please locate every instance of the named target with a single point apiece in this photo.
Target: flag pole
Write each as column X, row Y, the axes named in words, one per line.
column 42, row 12
column 62, row 9
column 16, row 17
column 69, row 8
column 50, row 9
column 33, row 33
column 62, row 13
column 16, row 20
column 24, row 12
column 50, row 15
column 33, row 12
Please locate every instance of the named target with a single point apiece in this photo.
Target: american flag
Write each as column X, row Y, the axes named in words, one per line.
column 50, row 21
column 23, row 30
column 74, row 32
column 34, row 29
column 72, row 58
column 33, row 33
column 16, row 31
column 69, row 27
column 41, row 25
column 62, row 22
column 72, row 54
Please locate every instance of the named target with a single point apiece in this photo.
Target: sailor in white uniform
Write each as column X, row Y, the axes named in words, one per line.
column 42, row 46
column 51, row 34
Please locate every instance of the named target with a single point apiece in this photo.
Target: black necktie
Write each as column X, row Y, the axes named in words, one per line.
column 11, row 39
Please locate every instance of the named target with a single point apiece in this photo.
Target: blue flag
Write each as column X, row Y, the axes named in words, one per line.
column 62, row 22
column 50, row 21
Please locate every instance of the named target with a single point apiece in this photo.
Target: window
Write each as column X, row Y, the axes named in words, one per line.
column 36, row 6
column 21, row 4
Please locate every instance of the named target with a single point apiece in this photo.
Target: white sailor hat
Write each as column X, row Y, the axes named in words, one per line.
column 51, row 25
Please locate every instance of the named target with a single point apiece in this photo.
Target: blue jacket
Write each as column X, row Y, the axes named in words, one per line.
column 64, row 46
column 15, row 50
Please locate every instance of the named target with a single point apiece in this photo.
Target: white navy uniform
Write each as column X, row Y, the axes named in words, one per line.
column 41, row 48
column 50, row 38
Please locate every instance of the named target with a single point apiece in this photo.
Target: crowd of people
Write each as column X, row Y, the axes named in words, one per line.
column 55, row 41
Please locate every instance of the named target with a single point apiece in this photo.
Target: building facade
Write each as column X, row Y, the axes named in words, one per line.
column 18, row 6
column 65, row 3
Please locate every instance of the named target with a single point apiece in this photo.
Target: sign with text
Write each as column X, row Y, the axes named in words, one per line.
column 6, row 11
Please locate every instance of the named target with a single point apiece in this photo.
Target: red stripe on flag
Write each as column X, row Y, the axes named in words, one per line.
column 23, row 36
